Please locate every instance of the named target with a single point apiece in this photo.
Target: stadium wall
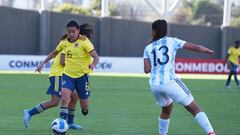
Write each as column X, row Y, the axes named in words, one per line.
column 19, row 31
column 30, row 32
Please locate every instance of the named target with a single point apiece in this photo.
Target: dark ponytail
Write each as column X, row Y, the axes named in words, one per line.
column 160, row 28
column 86, row 29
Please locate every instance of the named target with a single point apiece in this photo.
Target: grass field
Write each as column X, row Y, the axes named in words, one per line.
column 119, row 106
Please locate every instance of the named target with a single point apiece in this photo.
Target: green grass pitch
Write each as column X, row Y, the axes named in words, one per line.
column 119, row 106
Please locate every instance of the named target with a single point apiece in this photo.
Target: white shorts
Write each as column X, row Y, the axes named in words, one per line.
column 175, row 90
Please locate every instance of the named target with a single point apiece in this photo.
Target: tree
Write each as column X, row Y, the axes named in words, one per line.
column 209, row 12
column 235, row 20
column 96, row 6
column 72, row 8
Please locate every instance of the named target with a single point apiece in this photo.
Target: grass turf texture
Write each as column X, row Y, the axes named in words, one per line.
column 119, row 106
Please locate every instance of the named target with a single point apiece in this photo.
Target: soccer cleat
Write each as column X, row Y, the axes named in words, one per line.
column 212, row 133
column 26, row 118
column 227, row 86
column 74, row 126
column 85, row 112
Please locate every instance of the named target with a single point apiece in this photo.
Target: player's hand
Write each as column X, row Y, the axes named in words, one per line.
column 229, row 65
column 91, row 66
column 39, row 68
column 210, row 52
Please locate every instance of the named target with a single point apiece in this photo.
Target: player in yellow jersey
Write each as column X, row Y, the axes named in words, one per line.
column 232, row 60
column 80, row 59
column 55, row 82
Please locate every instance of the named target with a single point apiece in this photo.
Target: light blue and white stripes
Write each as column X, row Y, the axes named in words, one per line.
column 164, row 57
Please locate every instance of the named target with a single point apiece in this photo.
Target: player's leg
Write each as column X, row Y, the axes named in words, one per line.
column 66, row 97
column 68, row 86
column 236, row 79
column 234, row 69
column 53, row 102
column 167, row 104
column 178, row 91
column 83, row 91
column 227, row 85
column 164, row 119
column 53, row 90
column 71, row 111
column 84, row 105
column 186, row 99
column 200, row 117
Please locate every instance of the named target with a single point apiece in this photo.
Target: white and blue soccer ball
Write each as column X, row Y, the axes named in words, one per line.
column 59, row 126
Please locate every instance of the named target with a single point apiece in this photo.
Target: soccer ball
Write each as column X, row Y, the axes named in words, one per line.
column 59, row 126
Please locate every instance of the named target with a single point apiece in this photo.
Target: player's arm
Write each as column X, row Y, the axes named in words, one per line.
column 197, row 48
column 226, row 59
column 95, row 57
column 147, row 65
column 90, row 48
column 50, row 56
column 62, row 59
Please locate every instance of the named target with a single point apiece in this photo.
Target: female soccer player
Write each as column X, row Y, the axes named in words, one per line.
column 159, row 57
column 78, row 64
column 55, row 83
column 232, row 60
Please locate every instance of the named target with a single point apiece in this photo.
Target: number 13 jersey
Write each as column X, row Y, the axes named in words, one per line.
column 161, row 54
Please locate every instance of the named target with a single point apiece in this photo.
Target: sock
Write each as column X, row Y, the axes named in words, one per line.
column 163, row 126
column 203, row 121
column 36, row 110
column 71, row 114
column 64, row 113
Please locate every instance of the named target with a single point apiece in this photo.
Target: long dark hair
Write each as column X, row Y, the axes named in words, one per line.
column 160, row 28
column 86, row 29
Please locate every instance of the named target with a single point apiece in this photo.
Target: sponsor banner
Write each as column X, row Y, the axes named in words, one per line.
column 117, row 64
column 23, row 62
column 201, row 66
column 120, row 65
column 106, row 64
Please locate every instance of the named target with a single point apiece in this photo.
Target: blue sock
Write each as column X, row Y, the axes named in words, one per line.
column 36, row 110
column 71, row 114
column 64, row 113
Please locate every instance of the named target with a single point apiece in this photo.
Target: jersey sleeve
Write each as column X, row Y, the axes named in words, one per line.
column 88, row 46
column 178, row 43
column 145, row 53
column 59, row 47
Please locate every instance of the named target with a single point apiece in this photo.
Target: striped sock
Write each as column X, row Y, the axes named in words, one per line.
column 71, row 114
column 64, row 113
column 36, row 110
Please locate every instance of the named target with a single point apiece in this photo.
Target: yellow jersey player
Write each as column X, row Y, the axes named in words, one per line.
column 80, row 59
column 55, row 83
column 232, row 60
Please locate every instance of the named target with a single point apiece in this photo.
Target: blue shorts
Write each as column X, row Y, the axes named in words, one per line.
column 81, row 85
column 55, row 86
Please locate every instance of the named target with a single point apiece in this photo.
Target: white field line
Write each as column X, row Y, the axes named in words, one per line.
column 183, row 76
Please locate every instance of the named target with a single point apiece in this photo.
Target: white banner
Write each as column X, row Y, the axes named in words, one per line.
column 106, row 64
